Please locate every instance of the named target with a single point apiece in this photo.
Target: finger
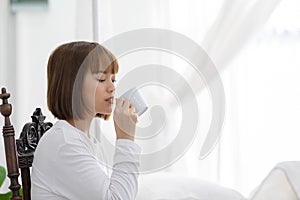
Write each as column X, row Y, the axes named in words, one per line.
column 134, row 117
column 123, row 102
column 132, row 109
column 126, row 103
column 119, row 102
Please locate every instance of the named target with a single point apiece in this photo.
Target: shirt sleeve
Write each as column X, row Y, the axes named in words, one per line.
column 80, row 176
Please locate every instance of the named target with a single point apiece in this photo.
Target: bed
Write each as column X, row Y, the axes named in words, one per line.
column 282, row 183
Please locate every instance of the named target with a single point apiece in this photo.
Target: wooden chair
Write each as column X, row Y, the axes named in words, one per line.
column 19, row 153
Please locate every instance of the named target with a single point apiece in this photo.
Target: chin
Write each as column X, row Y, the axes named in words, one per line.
column 106, row 112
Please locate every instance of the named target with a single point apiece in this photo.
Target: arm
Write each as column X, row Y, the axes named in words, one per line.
column 90, row 181
column 80, row 176
column 123, row 182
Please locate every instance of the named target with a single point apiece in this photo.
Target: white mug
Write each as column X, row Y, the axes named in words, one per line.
column 136, row 100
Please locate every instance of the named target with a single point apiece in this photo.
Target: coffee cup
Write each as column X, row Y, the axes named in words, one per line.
column 136, row 100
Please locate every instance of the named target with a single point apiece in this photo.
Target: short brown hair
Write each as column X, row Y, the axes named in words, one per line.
column 66, row 68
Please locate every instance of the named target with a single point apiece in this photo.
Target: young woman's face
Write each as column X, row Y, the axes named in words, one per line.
column 98, row 91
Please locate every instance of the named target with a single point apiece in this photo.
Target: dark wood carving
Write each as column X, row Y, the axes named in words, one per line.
column 10, row 147
column 29, row 138
column 26, row 145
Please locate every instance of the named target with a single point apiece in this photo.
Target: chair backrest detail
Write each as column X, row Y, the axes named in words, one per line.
column 22, row 148
column 30, row 136
column 10, row 147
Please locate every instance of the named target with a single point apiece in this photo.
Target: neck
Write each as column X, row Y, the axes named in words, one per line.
column 83, row 125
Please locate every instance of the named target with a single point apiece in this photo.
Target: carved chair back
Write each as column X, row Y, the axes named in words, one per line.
column 19, row 153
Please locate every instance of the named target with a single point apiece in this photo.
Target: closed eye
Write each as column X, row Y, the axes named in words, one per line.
column 101, row 81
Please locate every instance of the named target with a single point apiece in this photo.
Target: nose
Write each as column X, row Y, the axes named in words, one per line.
column 111, row 87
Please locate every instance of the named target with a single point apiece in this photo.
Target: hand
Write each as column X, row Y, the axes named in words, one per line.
column 125, row 119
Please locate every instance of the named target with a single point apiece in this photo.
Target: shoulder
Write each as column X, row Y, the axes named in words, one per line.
column 60, row 133
column 60, row 144
column 56, row 138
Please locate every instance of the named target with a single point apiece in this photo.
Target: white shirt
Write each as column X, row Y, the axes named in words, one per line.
column 65, row 166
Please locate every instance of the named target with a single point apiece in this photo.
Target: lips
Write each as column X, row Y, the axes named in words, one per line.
column 110, row 100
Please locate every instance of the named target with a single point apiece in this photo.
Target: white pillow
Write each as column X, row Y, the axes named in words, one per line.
column 165, row 186
column 276, row 186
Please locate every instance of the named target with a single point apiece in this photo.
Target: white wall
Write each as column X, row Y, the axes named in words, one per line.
column 38, row 34
column 32, row 36
column 7, row 62
column 26, row 40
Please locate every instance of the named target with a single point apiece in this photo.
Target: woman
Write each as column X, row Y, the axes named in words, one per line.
column 81, row 78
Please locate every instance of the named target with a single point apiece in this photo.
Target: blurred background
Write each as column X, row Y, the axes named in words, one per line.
column 254, row 45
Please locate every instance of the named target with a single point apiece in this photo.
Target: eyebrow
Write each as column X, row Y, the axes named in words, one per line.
column 100, row 72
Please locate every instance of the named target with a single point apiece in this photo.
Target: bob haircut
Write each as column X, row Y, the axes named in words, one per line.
column 67, row 66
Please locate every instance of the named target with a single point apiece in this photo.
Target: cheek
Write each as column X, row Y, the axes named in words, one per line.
column 99, row 97
column 89, row 92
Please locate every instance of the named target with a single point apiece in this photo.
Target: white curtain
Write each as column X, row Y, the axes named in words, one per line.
column 264, row 96
column 221, row 27
column 236, row 22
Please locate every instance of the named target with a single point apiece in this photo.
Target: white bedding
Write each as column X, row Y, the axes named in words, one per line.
column 282, row 183
column 165, row 186
column 292, row 172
